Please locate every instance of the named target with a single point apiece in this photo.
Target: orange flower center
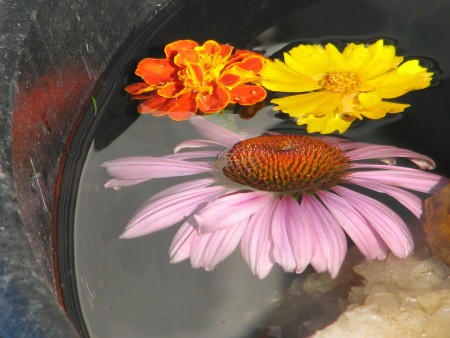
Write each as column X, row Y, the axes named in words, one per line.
column 212, row 66
column 340, row 82
column 285, row 163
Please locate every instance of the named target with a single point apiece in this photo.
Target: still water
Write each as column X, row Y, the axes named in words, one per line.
column 127, row 287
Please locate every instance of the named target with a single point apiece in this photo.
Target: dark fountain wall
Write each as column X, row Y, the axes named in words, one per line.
column 52, row 53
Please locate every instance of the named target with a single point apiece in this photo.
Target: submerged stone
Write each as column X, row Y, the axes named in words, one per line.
column 437, row 224
column 398, row 298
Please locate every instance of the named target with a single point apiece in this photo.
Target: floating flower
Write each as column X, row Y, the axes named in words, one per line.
column 197, row 78
column 287, row 199
column 338, row 87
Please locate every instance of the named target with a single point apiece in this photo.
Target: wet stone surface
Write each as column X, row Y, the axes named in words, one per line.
column 437, row 223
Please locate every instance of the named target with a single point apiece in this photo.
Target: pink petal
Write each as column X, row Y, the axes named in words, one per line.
column 190, row 185
column 117, row 184
column 391, row 166
column 377, row 152
column 188, row 155
column 337, row 142
column 348, row 145
column 256, row 244
column 283, row 247
column 230, row 209
column 387, row 223
column 292, row 238
column 169, row 210
column 181, row 244
column 361, row 232
column 330, row 242
column 196, row 144
column 207, row 250
column 409, row 200
column 214, row 132
column 405, row 178
column 153, row 167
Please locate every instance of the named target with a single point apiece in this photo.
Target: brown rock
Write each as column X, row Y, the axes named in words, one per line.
column 437, row 224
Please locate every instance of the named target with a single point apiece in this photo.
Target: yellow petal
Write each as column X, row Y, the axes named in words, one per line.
column 411, row 67
column 380, row 59
column 310, row 103
column 309, row 60
column 349, row 106
column 370, row 61
column 356, row 57
column 409, row 76
column 326, row 124
column 380, row 110
column 369, row 99
column 318, row 110
column 335, row 59
column 277, row 76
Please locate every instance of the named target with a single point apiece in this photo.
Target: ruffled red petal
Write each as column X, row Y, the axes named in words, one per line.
column 138, row 88
column 171, row 90
column 194, row 75
column 229, row 80
column 242, row 54
column 247, row 94
column 173, row 48
column 211, row 47
column 143, row 96
column 214, row 102
column 180, row 108
column 252, row 63
column 181, row 115
column 225, row 51
column 156, row 71
column 185, row 57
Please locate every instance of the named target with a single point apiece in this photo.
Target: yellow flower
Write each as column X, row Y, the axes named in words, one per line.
column 338, row 87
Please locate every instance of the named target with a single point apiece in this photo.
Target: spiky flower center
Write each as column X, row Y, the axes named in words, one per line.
column 340, row 82
column 285, row 163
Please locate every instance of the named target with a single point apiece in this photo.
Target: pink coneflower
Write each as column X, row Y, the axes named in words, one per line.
column 288, row 199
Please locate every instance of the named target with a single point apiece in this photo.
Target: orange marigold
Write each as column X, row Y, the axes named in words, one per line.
column 194, row 78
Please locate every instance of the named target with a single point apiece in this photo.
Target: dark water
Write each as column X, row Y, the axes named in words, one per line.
column 127, row 287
